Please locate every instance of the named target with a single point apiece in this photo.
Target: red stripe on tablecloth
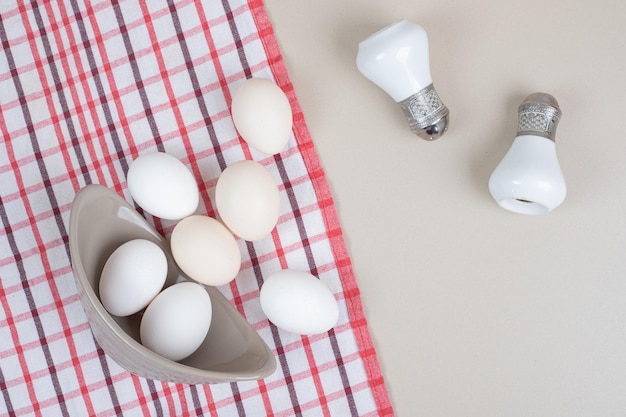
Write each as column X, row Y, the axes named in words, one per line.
column 74, row 49
column 197, row 90
column 47, row 93
column 288, row 187
column 215, row 53
column 25, row 224
column 236, row 296
column 57, row 88
column 210, row 400
column 115, row 139
column 101, row 100
column 297, row 216
column 173, row 103
column 186, row 53
column 168, row 390
column 264, row 395
column 25, row 284
column 287, row 86
column 313, row 270
column 139, row 82
column 34, row 344
column 277, row 342
column 292, row 392
column 322, row 189
column 250, row 246
column 68, row 114
column 141, row 89
column 132, row 148
column 230, row 17
column 13, row 331
column 223, row 85
column 279, row 349
column 36, row 233
column 205, row 113
column 114, row 91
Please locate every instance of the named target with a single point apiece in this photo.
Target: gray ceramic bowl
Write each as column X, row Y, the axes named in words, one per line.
column 101, row 221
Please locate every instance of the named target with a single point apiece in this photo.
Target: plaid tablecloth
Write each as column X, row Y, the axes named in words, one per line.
column 85, row 89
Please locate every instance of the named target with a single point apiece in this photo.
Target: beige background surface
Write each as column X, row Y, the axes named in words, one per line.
column 476, row 311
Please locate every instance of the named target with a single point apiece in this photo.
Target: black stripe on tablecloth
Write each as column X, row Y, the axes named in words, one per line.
column 93, row 66
column 282, row 358
column 54, row 205
column 211, row 131
column 155, row 134
column 7, row 226
column 132, row 60
column 313, row 267
column 19, row 262
column 196, row 401
column 222, row 163
column 196, row 86
column 280, row 350
column 5, row 395
column 91, row 59
column 237, row 397
column 58, row 89
column 300, row 224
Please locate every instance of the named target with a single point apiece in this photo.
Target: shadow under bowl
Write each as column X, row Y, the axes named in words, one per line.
column 101, row 221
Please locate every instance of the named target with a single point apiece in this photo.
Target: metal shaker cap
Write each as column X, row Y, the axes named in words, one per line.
column 426, row 114
column 538, row 115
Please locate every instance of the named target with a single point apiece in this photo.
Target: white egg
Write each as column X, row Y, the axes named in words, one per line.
column 262, row 115
column 205, row 250
column 132, row 276
column 177, row 321
column 298, row 302
column 163, row 186
column 247, row 200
